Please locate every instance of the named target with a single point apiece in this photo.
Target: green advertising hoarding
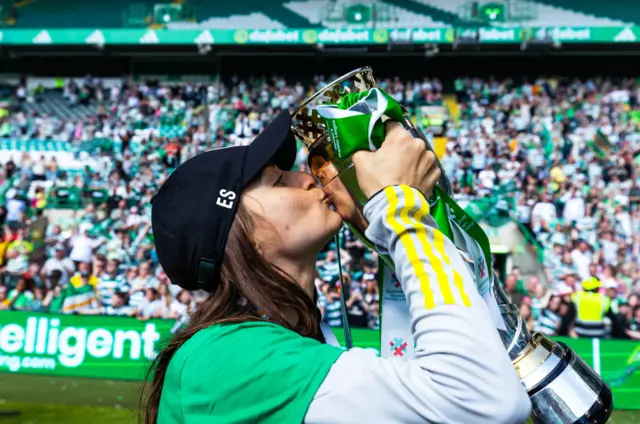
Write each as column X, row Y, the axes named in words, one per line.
column 79, row 346
column 302, row 36
column 121, row 348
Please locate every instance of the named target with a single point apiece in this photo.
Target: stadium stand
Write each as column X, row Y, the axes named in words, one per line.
column 279, row 14
column 52, row 102
column 545, row 15
column 388, row 15
column 618, row 10
column 440, row 14
column 80, row 14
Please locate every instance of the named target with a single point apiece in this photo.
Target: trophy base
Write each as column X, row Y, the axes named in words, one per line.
column 563, row 389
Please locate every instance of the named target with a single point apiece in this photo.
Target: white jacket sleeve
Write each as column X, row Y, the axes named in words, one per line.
column 460, row 372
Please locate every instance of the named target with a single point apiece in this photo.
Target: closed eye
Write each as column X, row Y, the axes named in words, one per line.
column 279, row 181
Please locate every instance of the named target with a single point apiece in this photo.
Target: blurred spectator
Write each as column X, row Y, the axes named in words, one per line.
column 21, row 297
column 151, row 306
column 332, row 307
column 60, row 262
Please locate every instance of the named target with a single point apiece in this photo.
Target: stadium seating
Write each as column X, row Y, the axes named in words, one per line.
column 620, row 10
column 546, row 14
column 75, row 13
column 75, row 198
column 118, row 13
column 63, row 152
column 34, row 146
column 51, row 102
column 279, row 14
column 247, row 14
column 445, row 15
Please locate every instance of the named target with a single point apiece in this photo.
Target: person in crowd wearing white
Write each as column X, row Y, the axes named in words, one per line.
column 14, row 205
column 574, row 206
column 151, row 307
column 134, row 218
column 182, row 305
column 543, row 213
column 166, row 299
column 144, row 278
column 582, row 258
column 83, row 245
column 61, row 262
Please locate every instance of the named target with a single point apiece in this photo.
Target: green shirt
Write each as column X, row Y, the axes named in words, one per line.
column 254, row 372
column 23, row 300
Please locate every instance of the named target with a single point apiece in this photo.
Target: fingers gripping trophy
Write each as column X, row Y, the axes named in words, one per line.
column 348, row 115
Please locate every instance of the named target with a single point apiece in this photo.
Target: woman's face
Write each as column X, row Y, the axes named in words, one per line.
column 297, row 215
column 185, row 297
column 525, row 311
column 563, row 309
column 133, row 272
column 554, row 303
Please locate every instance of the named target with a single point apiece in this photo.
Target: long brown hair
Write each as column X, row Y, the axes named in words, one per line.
column 250, row 288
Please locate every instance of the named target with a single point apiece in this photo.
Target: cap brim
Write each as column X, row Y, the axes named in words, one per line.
column 275, row 144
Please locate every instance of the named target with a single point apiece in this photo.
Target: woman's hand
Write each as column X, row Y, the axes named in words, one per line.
column 401, row 160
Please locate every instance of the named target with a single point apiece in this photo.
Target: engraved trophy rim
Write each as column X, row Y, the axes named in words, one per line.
column 305, row 122
column 328, row 87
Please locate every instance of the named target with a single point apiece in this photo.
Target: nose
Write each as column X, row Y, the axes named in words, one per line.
column 305, row 181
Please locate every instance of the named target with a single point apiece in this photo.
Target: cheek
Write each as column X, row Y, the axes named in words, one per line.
column 281, row 216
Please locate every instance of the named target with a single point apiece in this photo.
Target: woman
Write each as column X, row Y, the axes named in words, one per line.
column 151, row 306
column 527, row 316
column 183, row 305
column 236, row 223
column 166, row 298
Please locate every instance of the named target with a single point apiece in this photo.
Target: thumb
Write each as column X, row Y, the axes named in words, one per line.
column 361, row 157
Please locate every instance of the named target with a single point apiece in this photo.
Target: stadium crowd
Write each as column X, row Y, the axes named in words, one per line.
column 568, row 148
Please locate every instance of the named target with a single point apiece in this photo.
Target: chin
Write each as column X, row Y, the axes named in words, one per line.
column 334, row 222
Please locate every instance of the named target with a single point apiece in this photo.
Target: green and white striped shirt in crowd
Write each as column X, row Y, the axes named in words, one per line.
column 108, row 285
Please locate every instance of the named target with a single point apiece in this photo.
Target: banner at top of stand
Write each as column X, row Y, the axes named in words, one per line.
column 330, row 36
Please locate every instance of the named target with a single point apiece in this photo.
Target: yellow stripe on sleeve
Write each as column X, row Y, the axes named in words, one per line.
column 438, row 241
column 407, row 242
column 421, row 232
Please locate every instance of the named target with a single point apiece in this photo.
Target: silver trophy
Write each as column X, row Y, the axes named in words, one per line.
column 562, row 387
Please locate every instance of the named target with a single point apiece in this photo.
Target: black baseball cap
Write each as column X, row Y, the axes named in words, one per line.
column 192, row 213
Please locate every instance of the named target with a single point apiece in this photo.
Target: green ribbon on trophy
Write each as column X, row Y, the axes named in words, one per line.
column 356, row 124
